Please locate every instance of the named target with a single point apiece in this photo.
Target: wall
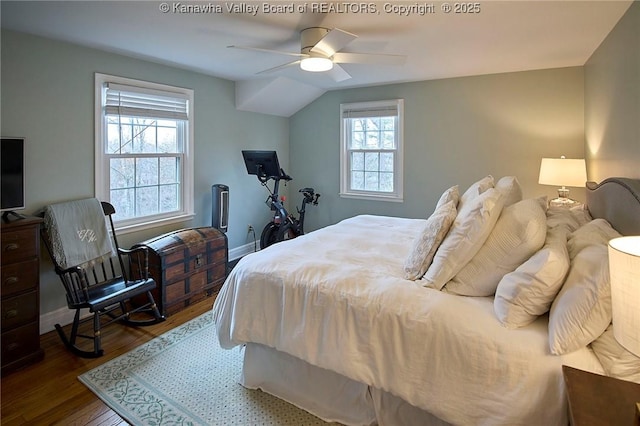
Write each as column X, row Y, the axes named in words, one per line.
column 456, row 131
column 612, row 102
column 48, row 97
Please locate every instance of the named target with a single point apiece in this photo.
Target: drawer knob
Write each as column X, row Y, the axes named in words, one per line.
column 11, row 313
column 11, row 247
column 11, row 281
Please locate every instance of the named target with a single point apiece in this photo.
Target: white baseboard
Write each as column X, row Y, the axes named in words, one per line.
column 64, row 316
column 238, row 252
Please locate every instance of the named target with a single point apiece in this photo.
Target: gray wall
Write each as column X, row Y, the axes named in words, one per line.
column 48, row 97
column 456, row 131
column 612, row 102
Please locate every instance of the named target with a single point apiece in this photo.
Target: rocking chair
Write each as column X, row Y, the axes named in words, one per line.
column 95, row 271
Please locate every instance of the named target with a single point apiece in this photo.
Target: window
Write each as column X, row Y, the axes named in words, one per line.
column 144, row 146
column 371, row 155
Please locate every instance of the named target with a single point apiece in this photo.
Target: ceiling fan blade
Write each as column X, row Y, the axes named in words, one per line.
column 337, row 73
column 333, row 41
column 279, row 67
column 368, row 58
column 258, row 49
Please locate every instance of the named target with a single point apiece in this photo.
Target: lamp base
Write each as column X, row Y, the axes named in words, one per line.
column 563, row 202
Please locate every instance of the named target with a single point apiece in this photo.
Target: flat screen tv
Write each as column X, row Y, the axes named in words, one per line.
column 11, row 175
column 262, row 163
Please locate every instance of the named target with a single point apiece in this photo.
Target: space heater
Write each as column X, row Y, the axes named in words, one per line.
column 220, row 207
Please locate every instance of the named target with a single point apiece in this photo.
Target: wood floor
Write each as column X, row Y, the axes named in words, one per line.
column 49, row 393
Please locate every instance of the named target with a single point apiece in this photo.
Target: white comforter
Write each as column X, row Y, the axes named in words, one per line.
column 336, row 299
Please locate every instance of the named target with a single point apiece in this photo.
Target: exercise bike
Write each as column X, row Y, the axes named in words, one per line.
column 284, row 226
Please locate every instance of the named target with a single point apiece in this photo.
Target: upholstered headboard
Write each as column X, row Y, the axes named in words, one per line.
column 618, row 201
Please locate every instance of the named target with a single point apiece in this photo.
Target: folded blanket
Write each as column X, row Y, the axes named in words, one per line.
column 78, row 232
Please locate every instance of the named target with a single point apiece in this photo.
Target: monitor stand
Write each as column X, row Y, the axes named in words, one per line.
column 5, row 216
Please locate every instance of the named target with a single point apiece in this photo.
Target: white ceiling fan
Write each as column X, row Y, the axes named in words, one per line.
column 320, row 51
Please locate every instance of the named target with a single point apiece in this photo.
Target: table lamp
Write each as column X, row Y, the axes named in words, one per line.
column 624, row 270
column 563, row 172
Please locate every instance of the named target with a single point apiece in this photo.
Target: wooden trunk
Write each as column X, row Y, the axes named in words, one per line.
column 187, row 265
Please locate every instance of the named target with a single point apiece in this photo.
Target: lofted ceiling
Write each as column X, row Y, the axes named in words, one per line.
column 492, row 37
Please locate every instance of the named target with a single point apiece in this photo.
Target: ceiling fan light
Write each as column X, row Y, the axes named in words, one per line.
column 316, row 64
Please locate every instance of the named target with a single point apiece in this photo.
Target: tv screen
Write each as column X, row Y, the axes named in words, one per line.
column 12, row 174
column 262, row 163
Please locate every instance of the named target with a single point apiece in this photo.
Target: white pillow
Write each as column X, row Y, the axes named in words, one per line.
column 581, row 214
column 510, row 188
column 519, row 232
column 469, row 231
column 451, row 194
column 476, row 189
column 426, row 244
column 528, row 292
column 615, row 359
column 582, row 310
column 598, row 231
column 561, row 217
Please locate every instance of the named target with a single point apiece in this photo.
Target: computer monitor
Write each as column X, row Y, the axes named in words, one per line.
column 262, row 163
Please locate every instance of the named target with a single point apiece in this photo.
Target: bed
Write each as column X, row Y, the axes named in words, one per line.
column 344, row 323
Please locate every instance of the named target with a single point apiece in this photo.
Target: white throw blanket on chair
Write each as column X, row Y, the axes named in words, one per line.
column 78, row 232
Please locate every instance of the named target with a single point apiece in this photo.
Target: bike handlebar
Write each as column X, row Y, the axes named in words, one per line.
column 284, row 176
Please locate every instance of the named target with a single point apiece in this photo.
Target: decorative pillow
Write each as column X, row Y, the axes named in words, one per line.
column 469, row 231
column 510, row 188
column 426, row 244
column 598, row 231
column 528, row 292
column 582, row 310
column 476, row 189
column 616, row 360
column 451, row 194
column 519, row 232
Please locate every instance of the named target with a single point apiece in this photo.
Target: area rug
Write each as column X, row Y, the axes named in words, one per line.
column 183, row 377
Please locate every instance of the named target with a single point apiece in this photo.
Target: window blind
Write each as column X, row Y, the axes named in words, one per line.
column 137, row 102
column 372, row 111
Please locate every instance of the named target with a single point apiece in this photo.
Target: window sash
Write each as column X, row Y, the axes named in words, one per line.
column 177, row 144
column 127, row 99
column 350, row 181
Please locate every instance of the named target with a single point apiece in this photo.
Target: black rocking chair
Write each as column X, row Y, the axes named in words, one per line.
column 105, row 288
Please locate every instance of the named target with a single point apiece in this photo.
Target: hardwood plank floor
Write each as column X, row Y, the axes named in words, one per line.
column 49, row 393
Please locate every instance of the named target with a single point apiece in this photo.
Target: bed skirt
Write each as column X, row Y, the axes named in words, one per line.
column 326, row 394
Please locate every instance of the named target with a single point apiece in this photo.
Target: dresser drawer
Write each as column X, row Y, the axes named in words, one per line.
column 19, row 244
column 19, row 277
column 20, row 342
column 19, row 310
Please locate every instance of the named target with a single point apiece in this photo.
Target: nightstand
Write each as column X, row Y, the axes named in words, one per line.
column 600, row 400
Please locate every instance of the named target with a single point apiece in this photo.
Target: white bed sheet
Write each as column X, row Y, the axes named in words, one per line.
column 336, row 299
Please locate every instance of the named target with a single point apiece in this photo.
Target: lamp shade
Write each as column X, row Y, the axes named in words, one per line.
column 563, row 172
column 316, row 64
column 624, row 269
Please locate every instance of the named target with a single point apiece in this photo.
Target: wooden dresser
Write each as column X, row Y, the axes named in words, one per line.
column 20, row 257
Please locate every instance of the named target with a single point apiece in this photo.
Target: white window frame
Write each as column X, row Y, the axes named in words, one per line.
column 345, row 176
column 102, row 178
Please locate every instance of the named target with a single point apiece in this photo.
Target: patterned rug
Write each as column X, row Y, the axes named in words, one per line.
column 183, row 377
